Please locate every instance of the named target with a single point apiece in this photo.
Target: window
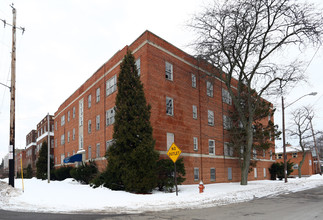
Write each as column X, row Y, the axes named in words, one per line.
column 212, row 174
column 81, row 141
column 226, row 97
column 97, row 150
column 74, row 112
column 97, row 122
column 81, row 112
column 52, row 143
column 97, row 94
column 294, row 155
column 265, row 172
column 279, row 156
column 254, row 152
column 170, row 140
column 169, row 106
column 68, row 137
column 111, row 85
column 89, row 126
column 73, row 134
column 110, row 116
column 62, row 139
column 89, row 98
column 193, row 80
column 229, row 173
column 211, row 147
column 137, row 63
column 194, row 111
column 195, row 143
column 89, row 153
column 68, row 116
column 109, row 144
column 310, row 162
column 209, row 88
column 62, row 158
column 255, row 172
column 196, row 174
column 41, row 131
column 227, row 123
column 62, row 120
column 169, row 71
column 228, row 149
column 210, row 117
column 271, row 154
column 263, row 153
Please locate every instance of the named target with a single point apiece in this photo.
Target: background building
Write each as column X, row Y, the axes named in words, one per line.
column 31, row 147
column 188, row 106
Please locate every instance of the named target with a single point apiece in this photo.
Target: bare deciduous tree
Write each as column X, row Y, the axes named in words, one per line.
column 246, row 39
column 301, row 129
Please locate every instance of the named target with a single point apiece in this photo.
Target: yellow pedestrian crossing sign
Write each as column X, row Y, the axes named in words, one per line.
column 174, row 152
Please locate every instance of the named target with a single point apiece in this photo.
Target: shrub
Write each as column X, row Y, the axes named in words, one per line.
column 62, row 173
column 28, row 172
column 277, row 170
column 84, row 173
column 165, row 169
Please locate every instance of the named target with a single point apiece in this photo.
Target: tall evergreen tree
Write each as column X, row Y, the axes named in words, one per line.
column 41, row 164
column 132, row 159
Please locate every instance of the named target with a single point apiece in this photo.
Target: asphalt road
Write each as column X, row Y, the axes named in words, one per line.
column 300, row 205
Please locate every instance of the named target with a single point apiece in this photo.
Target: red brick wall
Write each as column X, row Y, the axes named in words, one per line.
column 307, row 167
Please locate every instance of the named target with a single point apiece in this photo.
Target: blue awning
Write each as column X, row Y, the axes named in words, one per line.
column 74, row 158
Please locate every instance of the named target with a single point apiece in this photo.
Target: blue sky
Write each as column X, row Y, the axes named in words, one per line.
column 65, row 42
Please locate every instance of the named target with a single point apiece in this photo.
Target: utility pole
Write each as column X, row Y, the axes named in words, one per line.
column 48, row 149
column 317, row 152
column 284, row 141
column 12, row 103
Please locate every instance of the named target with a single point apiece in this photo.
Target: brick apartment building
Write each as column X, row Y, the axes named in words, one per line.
column 295, row 154
column 188, row 107
column 31, row 146
column 43, row 130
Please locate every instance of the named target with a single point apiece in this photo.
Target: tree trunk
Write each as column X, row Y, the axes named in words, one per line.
column 301, row 164
column 246, row 159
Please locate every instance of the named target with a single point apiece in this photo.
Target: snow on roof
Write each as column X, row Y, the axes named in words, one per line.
column 290, row 149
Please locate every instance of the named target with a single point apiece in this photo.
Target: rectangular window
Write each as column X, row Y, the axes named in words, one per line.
column 227, row 123
column 226, row 97
column 81, row 112
column 295, row 166
column 89, row 153
column 62, row 139
column 110, row 116
column 263, row 153
column 73, row 133
column 97, row 122
column 280, row 156
column 209, row 88
column 111, row 85
column 137, row 63
column 109, row 144
column 211, row 147
column 193, row 80
column 271, row 154
column 74, row 112
column 169, row 106
column 170, row 140
column 62, row 158
column 68, row 137
column 210, row 117
column 97, row 94
column 255, row 172
column 229, row 173
column 97, row 150
column 81, row 141
column 169, row 71
column 62, row 120
column 52, row 143
column 196, row 174
column 68, row 116
column 212, row 174
column 89, row 125
column 194, row 111
column 294, row 155
column 228, row 149
column 310, row 162
column 265, row 173
column 254, row 152
column 89, row 98
column 195, row 143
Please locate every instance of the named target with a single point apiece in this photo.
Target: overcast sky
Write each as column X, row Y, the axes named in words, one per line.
column 65, row 42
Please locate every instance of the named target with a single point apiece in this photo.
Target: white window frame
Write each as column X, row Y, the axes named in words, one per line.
column 226, row 97
column 212, row 178
column 230, row 173
column 210, row 118
column 211, row 147
column 294, row 155
column 170, row 139
column 89, row 126
column 111, row 85
column 74, row 112
column 195, row 143
column 228, row 150
column 89, row 99
column 271, row 154
column 68, row 116
column 209, row 89
column 68, row 137
column 97, row 122
column 254, row 153
column 265, row 172
column 63, row 120
column 62, row 139
column 73, row 134
column 196, row 174
column 97, row 95
column 89, row 153
column 108, row 144
column 169, row 71
column 137, row 63
column 193, row 80
column 227, row 122
column 169, row 106
column 109, row 115
column 97, row 150
column 194, row 108
column 255, row 173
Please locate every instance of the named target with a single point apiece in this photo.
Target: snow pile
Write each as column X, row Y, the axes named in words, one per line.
column 70, row 196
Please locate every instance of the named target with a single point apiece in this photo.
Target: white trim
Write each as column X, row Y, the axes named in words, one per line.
column 45, row 135
column 31, row 144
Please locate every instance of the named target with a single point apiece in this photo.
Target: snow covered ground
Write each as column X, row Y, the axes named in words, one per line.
column 70, row 196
